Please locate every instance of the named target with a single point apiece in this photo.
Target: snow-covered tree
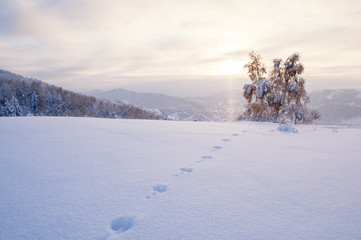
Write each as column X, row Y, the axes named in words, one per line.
column 276, row 97
column 284, row 91
column 256, row 92
column 34, row 102
column 11, row 108
column 294, row 90
column 260, row 85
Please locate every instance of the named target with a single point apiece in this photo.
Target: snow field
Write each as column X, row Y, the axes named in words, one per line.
column 83, row 178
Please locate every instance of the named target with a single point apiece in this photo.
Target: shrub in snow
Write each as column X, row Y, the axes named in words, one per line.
column 286, row 128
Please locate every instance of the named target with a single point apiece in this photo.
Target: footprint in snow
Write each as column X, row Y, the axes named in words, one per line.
column 121, row 224
column 160, row 188
column 216, row 148
column 206, row 157
column 203, row 158
column 226, row 140
column 189, row 170
column 235, row 135
column 184, row 170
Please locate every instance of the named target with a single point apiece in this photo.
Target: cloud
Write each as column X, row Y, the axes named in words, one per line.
column 111, row 39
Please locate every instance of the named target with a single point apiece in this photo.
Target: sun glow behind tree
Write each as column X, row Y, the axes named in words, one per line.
column 229, row 67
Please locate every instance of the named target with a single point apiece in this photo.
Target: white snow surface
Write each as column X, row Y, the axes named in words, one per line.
column 85, row 178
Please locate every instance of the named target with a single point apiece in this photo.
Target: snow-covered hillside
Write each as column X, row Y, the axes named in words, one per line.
column 21, row 96
column 340, row 107
column 171, row 107
column 85, row 178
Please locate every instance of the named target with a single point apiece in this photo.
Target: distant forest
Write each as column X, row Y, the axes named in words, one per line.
column 21, row 96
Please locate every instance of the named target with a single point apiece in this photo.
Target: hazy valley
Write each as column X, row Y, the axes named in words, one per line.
column 336, row 107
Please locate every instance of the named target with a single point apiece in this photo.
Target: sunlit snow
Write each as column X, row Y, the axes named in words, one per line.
column 84, row 178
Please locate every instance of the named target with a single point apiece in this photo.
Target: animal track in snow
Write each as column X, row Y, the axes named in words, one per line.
column 235, row 135
column 216, row 148
column 122, row 224
column 205, row 157
column 226, row 140
column 189, row 170
column 160, row 188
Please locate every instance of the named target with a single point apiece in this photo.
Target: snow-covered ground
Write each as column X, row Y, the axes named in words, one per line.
column 84, row 178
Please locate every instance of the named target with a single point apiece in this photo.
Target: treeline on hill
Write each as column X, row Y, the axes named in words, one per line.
column 20, row 96
column 281, row 97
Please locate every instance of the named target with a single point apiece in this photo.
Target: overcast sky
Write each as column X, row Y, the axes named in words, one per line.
column 177, row 46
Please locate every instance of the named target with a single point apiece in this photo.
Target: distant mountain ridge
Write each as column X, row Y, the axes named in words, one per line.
column 20, row 96
column 336, row 107
column 170, row 107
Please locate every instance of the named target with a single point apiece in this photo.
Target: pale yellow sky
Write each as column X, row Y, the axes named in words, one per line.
column 90, row 44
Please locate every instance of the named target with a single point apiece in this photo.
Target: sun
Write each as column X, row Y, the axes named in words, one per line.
column 229, row 67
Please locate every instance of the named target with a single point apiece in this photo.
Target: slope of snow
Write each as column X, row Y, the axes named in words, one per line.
column 84, row 178
column 337, row 107
column 175, row 108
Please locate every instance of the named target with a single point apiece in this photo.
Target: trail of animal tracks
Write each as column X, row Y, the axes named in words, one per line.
column 83, row 178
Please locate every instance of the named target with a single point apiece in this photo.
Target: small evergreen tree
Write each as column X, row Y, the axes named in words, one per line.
column 11, row 108
column 34, row 102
